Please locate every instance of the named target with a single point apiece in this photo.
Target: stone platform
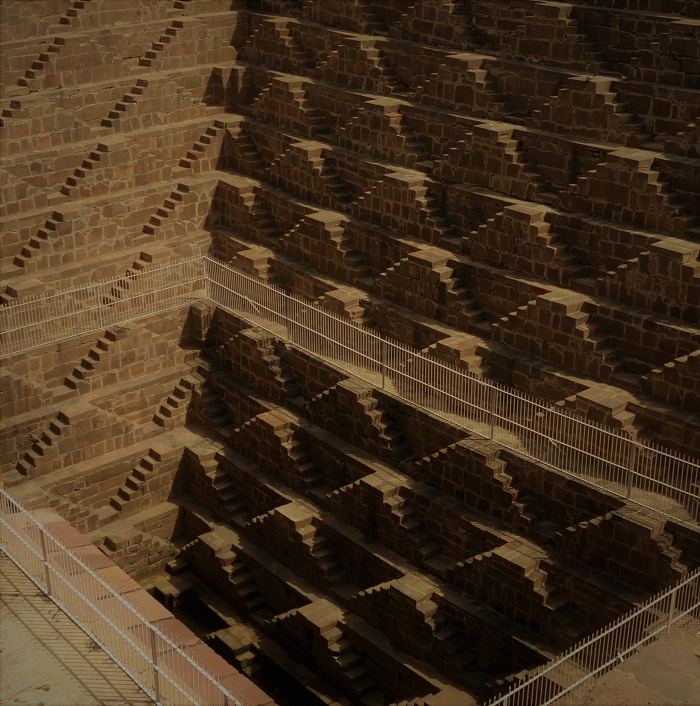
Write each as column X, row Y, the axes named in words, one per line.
column 45, row 658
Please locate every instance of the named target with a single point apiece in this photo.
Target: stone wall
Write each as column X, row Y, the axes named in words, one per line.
column 512, row 189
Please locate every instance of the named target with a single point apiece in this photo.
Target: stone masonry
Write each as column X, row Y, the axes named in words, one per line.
column 513, row 188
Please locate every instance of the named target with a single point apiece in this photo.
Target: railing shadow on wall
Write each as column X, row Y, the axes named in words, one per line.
column 646, row 474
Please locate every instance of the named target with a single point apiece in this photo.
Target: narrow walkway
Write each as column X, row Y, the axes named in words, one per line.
column 47, row 660
column 664, row 673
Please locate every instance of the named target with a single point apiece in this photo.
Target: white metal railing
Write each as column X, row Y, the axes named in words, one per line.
column 648, row 475
column 567, row 676
column 144, row 651
column 49, row 318
column 644, row 473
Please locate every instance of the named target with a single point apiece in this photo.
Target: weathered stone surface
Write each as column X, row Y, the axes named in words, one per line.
column 512, row 188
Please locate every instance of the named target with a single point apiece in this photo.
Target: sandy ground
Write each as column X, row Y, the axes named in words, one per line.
column 664, row 673
column 46, row 660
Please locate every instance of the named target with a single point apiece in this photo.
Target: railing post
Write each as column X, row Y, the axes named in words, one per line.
column 98, row 313
column 492, row 411
column 288, row 323
column 156, row 676
column 630, row 469
column 45, row 555
column 671, row 608
column 205, row 275
column 382, row 361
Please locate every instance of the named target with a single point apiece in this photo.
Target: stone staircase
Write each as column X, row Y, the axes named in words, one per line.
column 77, row 379
column 490, row 102
column 534, row 187
column 450, row 645
column 351, row 257
column 169, row 210
column 590, row 351
column 417, row 156
column 531, row 582
column 211, row 135
column 244, row 585
column 596, row 94
column 122, row 288
column 304, row 170
column 85, row 179
column 304, row 467
column 263, row 227
column 419, row 541
column 559, row 256
column 465, row 357
column 283, row 374
column 397, row 142
column 13, row 110
column 439, row 88
column 57, row 224
column 133, row 486
column 154, row 53
column 32, row 78
column 516, row 506
column 571, row 620
column 526, row 511
column 433, row 216
column 430, row 223
column 380, row 426
column 347, row 302
column 321, row 239
column 73, row 11
column 610, row 407
column 245, row 156
column 533, row 245
column 449, row 20
column 279, row 31
column 425, row 282
column 371, row 21
column 215, row 412
column 44, row 445
column 172, row 411
column 661, row 535
column 301, row 57
column 121, row 107
column 83, row 518
column 584, row 54
column 652, row 203
column 325, row 556
column 391, row 84
column 314, row 119
column 224, row 488
column 352, row 669
column 238, row 578
column 464, row 311
column 286, row 103
column 336, row 192
column 271, row 435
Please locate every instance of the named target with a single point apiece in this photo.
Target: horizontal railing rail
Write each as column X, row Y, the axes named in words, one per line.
column 648, row 475
column 150, row 657
column 645, row 473
column 58, row 316
column 568, row 675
